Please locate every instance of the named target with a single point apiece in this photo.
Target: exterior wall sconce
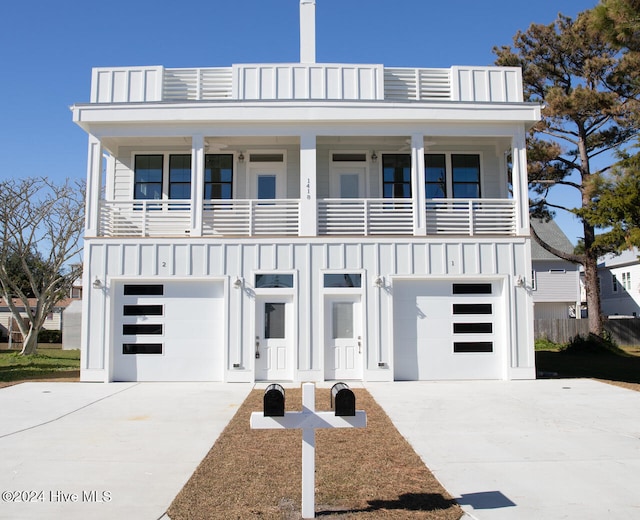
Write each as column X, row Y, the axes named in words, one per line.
column 241, row 157
column 378, row 282
column 519, row 281
column 237, row 283
column 97, row 284
column 374, row 156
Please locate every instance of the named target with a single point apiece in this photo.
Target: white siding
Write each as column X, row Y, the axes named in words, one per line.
column 155, row 260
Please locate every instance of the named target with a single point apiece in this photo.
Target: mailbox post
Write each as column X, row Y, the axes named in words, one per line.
column 309, row 420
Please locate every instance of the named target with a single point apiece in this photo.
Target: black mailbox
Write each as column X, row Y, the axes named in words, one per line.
column 273, row 401
column 343, row 400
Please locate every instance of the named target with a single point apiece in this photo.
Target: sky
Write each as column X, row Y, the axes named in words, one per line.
column 47, row 50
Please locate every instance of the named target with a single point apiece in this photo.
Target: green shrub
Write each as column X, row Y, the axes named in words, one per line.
column 50, row 336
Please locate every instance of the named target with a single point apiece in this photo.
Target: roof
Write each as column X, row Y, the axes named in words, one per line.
column 551, row 233
column 628, row 257
column 62, row 304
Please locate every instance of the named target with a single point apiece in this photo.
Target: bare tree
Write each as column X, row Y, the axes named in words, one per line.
column 41, row 226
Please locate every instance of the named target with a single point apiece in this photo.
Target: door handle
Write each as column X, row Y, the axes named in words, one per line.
column 257, row 347
column 359, row 344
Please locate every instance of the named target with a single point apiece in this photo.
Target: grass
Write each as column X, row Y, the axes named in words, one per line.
column 621, row 367
column 51, row 362
column 367, row 473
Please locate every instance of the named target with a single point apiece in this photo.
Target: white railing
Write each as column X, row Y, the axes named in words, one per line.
column 155, row 218
column 251, row 217
column 281, row 217
column 197, row 84
column 471, row 217
column 296, row 81
column 146, row 218
column 417, row 84
column 365, row 217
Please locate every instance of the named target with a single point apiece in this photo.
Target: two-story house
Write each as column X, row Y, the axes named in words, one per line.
column 555, row 282
column 306, row 222
column 619, row 277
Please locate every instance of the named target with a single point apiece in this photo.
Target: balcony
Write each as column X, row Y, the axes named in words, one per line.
column 281, row 217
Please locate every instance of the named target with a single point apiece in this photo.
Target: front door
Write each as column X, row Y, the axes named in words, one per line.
column 274, row 351
column 344, row 347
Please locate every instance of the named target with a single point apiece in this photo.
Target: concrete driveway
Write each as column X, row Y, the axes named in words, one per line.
column 547, row 449
column 105, row 451
column 551, row 449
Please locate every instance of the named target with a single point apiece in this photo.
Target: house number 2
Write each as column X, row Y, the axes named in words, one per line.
column 308, row 189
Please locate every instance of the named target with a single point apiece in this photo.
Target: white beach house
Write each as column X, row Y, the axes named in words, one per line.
column 306, row 222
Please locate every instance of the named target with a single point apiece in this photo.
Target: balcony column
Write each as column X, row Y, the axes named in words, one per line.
column 308, row 196
column 94, row 187
column 417, row 185
column 520, row 181
column 197, row 184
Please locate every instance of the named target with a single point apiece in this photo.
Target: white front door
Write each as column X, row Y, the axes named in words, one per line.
column 274, row 331
column 344, row 347
column 347, row 182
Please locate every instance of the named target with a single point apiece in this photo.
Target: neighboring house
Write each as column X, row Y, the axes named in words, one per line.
column 306, row 222
column 619, row 277
column 555, row 283
column 53, row 321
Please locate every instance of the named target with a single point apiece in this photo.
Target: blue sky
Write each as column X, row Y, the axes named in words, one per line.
column 49, row 48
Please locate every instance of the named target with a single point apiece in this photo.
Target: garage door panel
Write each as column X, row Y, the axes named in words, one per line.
column 426, row 328
column 192, row 333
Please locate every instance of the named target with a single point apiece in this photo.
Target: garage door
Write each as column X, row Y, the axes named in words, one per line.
column 448, row 330
column 171, row 331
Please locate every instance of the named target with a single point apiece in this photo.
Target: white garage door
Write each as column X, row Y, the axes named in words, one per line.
column 448, row 330
column 168, row 331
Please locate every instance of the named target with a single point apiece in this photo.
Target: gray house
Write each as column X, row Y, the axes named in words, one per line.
column 555, row 282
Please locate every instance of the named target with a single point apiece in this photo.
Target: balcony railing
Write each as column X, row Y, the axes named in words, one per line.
column 251, row 217
column 365, row 217
column 471, row 217
column 281, row 217
column 155, row 218
column 299, row 81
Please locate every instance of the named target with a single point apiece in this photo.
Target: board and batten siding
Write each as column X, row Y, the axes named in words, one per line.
column 165, row 260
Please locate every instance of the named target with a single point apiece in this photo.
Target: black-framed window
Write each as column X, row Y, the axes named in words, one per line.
column 465, row 176
column 435, row 175
column 147, row 184
column 180, row 176
column 396, row 176
column 218, row 176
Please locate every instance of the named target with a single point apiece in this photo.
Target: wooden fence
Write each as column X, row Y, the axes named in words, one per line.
column 623, row 331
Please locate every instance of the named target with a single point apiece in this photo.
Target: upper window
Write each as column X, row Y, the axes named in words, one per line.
column 218, row 176
column 626, row 281
column 180, row 176
column 396, row 176
column 148, row 177
column 435, row 173
column 456, row 175
column 465, row 176
column 152, row 183
column 614, row 283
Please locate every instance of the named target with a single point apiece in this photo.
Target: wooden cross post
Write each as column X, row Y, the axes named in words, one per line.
column 308, row 420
